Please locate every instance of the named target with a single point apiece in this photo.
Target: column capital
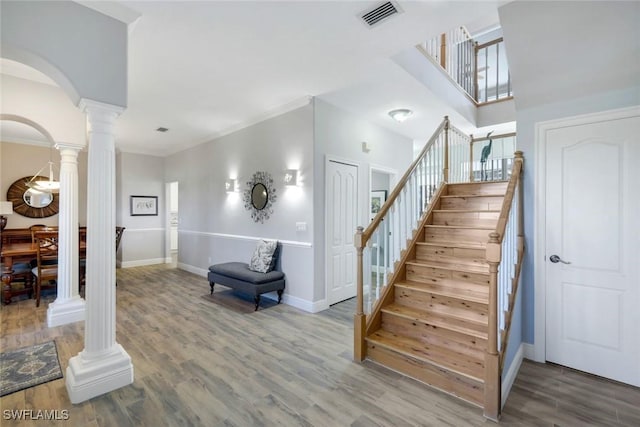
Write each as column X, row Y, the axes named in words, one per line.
column 90, row 106
column 101, row 117
column 69, row 146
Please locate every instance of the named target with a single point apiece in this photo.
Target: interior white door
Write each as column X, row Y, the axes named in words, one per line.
column 342, row 215
column 593, row 227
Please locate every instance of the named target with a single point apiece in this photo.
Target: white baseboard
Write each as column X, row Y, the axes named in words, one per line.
column 168, row 260
column 510, row 377
column 302, row 304
column 141, row 262
column 529, row 351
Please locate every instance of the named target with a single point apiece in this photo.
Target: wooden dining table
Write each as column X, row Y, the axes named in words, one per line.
column 19, row 252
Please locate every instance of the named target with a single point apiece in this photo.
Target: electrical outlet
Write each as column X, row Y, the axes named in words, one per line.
column 209, row 260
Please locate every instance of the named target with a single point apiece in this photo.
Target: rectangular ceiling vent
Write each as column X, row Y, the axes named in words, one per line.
column 380, row 13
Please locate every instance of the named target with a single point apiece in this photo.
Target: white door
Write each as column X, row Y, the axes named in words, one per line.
column 342, row 215
column 593, row 226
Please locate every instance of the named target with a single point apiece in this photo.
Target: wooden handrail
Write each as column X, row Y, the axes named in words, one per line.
column 508, row 197
column 489, row 43
column 494, row 137
column 366, row 234
column 494, row 356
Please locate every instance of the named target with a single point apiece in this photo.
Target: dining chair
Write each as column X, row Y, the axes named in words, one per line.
column 46, row 269
column 20, row 274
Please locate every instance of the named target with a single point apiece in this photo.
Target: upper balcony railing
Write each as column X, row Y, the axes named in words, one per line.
column 481, row 70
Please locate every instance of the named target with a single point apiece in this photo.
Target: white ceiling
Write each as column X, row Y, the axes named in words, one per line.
column 204, row 68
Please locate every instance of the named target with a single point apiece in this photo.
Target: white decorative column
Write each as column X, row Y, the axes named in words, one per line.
column 103, row 365
column 68, row 306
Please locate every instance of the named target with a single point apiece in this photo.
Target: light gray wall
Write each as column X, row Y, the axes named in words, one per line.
column 82, row 50
column 380, row 181
column 339, row 133
column 143, row 241
column 214, row 225
column 20, row 160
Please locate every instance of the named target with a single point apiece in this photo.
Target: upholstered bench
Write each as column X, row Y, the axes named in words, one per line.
column 240, row 276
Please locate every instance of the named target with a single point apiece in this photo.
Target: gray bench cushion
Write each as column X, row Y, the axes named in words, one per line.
column 240, row 271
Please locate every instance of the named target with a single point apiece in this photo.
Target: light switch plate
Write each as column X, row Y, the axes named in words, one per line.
column 301, row 226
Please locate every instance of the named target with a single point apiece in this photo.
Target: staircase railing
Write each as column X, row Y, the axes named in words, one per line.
column 454, row 51
column 388, row 242
column 385, row 240
column 504, row 254
column 480, row 70
column 491, row 66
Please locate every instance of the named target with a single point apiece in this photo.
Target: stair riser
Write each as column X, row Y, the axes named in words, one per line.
column 459, row 362
column 477, row 188
column 458, row 286
column 420, row 273
column 450, row 255
column 472, row 203
column 435, row 335
column 434, row 234
column 473, row 311
column 479, row 219
column 460, row 386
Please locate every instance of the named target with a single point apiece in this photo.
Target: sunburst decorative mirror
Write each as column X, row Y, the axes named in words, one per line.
column 259, row 196
column 30, row 202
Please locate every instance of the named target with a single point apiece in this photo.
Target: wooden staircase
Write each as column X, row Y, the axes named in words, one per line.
column 432, row 323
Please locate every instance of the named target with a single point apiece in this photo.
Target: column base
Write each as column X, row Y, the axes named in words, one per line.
column 86, row 379
column 63, row 312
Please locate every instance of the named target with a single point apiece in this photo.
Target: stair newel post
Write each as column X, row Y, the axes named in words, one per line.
column 359, row 349
column 519, row 157
column 492, row 382
column 445, row 169
column 471, row 178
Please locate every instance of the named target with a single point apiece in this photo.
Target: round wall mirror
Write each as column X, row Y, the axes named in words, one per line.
column 37, row 199
column 259, row 196
column 29, row 202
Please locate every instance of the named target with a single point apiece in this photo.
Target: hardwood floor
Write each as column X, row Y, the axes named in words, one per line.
column 198, row 363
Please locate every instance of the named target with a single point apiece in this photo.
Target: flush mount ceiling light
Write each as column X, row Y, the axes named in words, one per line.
column 401, row 114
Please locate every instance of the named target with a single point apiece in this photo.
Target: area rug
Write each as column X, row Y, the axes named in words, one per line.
column 238, row 301
column 28, row 366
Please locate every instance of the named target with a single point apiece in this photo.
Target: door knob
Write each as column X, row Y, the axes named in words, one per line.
column 555, row 259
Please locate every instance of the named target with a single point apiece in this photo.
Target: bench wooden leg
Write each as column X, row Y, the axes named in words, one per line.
column 211, row 284
column 257, row 299
column 280, row 291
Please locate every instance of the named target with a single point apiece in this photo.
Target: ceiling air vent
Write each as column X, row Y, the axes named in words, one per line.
column 375, row 16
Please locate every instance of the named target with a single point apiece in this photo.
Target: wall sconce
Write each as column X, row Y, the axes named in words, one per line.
column 230, row 185
column 291, row 177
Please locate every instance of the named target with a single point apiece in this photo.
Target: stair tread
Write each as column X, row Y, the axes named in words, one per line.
column 478, row 294
column 466, row 210
column 450, row 360
column 466, row 227
column 452, row 244
column 449, row 196
column 439, row 320
column 459, row 265
column 500, row 181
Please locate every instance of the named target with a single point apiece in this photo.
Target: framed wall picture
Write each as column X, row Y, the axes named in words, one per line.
column 144, row 205
column 378, row 197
